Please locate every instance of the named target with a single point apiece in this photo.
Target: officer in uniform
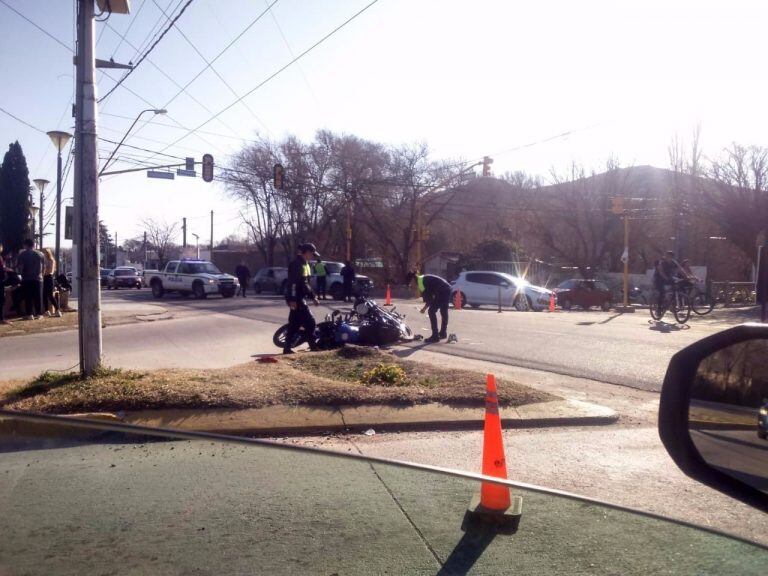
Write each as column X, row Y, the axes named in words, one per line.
column 321, row 273
column 297, row 292
column 437, row 295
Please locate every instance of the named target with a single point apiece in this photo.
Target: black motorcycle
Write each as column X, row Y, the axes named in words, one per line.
column 367, row 324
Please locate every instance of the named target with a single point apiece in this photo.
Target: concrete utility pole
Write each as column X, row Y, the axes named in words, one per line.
column 145, row 249
column 41, row 183
column 86, row 191
column 184, row 232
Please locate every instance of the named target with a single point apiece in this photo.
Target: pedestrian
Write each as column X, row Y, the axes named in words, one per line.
column 348, row 277
column 3, row 276
column 297, row 292
column 436, row 293
column 30, row 264
column 243, row 276
column 48, row 284
column 322, row 275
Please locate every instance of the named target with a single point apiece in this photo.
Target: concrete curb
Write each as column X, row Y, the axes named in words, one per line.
column 299, row 420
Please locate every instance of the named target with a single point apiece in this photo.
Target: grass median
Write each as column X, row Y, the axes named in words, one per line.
column 346, row 377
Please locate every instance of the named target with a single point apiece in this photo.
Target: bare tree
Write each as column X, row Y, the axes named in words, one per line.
column 160, row 237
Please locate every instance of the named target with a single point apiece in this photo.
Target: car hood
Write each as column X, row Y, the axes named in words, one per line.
column 217, row 276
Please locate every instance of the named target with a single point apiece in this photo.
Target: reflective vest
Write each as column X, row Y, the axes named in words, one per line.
column 420, row 283
column 306, row 270
column 320, row 269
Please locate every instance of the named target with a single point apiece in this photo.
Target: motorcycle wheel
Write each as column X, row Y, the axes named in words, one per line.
column 406, row 334
column 278, row 339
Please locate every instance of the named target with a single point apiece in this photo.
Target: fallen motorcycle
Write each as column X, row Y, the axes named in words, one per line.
column 367, row 324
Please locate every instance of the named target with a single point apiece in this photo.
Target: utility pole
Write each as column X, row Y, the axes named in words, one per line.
column 86, row 193
column 349, row 231
column 184, row 233
column 41, row 183
column 211, row 255
column 145, row 249
column 115, row 249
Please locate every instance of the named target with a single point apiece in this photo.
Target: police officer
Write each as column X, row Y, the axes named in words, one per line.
column 297, row 291
column 437, row 295
column 321, row 273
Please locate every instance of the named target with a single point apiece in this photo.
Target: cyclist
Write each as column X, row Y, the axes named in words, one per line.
column 665, row 270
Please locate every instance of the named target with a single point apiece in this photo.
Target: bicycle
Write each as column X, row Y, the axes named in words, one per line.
column 702, row 303
column 677, row 300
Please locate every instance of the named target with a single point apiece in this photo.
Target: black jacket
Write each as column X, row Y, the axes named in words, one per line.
column 348, row 274
column 299, row 275
column 242, row 272
column 435, row 289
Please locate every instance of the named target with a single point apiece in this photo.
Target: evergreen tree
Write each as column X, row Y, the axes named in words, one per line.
column 14, row 199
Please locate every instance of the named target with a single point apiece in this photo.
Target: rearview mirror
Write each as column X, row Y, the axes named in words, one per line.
column 713, row 414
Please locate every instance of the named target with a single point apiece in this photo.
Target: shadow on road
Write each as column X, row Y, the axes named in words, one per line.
column 466, row 553
column 665, row 328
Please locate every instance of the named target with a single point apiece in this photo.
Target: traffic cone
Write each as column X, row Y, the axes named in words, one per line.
column 552, row 302
column 495, row 506
column 388, row 297
column 457, row 300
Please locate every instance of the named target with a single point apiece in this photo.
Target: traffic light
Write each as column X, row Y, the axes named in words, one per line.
column 617, row 205
column 207, row 168
column 278, row 176
column 487, row 161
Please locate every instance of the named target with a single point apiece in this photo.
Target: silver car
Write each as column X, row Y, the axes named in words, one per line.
column 480, row 288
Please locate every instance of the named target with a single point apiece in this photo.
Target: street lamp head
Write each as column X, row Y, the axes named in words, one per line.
column 59, row 139
column 41, row 183
column 160, row 111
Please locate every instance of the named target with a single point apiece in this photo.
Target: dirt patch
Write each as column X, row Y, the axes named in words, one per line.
column 334, row 378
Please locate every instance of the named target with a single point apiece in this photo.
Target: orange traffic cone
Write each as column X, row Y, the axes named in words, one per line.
column 495, row 506
column 388, row 297
column 457, row 300
column 552, row 302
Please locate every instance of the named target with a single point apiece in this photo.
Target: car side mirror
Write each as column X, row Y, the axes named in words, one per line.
column 505, row 285
column 713, row 412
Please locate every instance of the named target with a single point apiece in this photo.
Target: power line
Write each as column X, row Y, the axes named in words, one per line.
column 149, row 50
column 43, row 30
column 142, row 149
column 127, row 30
column 280, row 70
column 19, row 119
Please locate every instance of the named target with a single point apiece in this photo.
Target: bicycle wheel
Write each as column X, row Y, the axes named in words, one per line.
column 702, row 304
column 657, row 312
column 681, row 307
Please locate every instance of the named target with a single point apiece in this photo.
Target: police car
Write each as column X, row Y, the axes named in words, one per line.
column 198, row 277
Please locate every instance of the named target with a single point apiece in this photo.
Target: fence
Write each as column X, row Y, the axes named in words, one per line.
column 734, row 293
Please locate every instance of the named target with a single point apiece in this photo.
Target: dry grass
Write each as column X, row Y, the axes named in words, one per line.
column 319, row 379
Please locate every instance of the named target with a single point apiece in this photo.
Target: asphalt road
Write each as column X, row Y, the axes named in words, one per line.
column 626, row 349
column 138, row 507
column 737, row 452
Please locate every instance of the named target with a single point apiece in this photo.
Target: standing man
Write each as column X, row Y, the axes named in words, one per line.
column 437, row 295
column 30, row 264
column 348, row 275
column 297, row 292
column 243, row 276
column 321, row 274
column 2, row 287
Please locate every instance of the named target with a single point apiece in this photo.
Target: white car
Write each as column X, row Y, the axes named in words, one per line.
column 197, row 277
column 480, row 288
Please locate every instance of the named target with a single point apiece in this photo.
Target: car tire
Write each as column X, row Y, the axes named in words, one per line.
column 606, row 306
column 567, row 304
column 522, row 303
column 199, row 291
column 257, row 288
column 337, row 291
column 157, row 289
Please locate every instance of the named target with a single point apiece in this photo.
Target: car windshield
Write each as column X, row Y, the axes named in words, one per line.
column 202, row 268
column 125, row 272
column 164, row 505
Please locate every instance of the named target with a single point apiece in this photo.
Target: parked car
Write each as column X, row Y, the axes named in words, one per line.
column 583, row 293
column 272, row 279
column 103, row 274
column 123, row 277
column 197, row 277
column 334, row 283
column 480, row 288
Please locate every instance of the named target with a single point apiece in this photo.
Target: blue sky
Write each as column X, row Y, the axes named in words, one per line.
column 469, row 78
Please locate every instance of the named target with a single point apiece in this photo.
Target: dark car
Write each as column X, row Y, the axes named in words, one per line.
column 103, row 275
column 124, row 277
column 583, row 293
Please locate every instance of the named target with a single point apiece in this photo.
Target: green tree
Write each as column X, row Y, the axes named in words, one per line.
column 14, row 199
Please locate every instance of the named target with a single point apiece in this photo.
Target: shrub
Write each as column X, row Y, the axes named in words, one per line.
column 384, row 375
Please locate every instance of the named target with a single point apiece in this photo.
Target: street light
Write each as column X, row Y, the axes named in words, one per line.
column 59, row 140
column 41, row 183
column 197, row 244
column 112, row 155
